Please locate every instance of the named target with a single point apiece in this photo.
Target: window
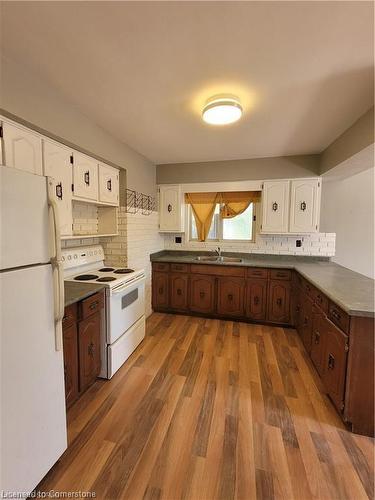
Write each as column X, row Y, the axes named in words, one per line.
column 240, row 228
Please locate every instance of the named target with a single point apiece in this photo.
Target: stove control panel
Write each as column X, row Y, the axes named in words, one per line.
column 79, row 256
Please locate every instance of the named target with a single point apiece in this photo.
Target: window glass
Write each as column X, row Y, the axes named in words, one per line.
column 240, row 227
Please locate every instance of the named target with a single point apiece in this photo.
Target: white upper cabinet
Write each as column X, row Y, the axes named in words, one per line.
column 275, row 207
column 170, row 208
column 108, row 184
column 22, row 148
column 85, row 177
column 304, row 206
column 57, row 164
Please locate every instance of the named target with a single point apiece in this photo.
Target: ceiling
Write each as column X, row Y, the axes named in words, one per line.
column 143, row 70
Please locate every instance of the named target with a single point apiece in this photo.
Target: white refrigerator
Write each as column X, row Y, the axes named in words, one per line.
column 32, row 406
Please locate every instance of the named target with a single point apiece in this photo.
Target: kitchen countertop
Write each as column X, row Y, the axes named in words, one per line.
column 75, row 292
column 352, row 291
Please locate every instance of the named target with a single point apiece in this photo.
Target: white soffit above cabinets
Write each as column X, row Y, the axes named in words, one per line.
column 143, row 70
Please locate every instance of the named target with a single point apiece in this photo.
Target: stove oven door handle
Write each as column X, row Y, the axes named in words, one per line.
column 138, row 280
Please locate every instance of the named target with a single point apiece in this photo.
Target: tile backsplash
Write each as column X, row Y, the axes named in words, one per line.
column 318, row 244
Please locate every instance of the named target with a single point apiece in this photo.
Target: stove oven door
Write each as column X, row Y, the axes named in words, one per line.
column 126, row 306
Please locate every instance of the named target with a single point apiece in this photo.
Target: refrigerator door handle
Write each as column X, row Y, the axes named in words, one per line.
column 57, row 267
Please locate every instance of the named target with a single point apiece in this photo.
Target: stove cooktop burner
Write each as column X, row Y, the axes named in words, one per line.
column 123, row 271
column 106, row 278
column 86, row 277
column 106, row 269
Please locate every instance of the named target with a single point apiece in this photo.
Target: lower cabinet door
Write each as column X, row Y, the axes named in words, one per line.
column 318, row 341
column 202, row 294
column 179, row 291
column 256, row 299
column 335, row 360
column 230, row 300
column 160, row 290
column 70, row 346
column 279, row 301
column 89, row 350
column 306, row 322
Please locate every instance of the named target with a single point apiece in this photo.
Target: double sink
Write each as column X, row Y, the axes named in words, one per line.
column 217, row 258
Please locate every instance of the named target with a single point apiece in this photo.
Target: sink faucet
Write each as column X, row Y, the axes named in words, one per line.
column 218, row 251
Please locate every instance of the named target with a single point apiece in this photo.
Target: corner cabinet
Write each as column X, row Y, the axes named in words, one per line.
column 22, row 148
column 170, row 208
column 291, row 206
column 57, row 163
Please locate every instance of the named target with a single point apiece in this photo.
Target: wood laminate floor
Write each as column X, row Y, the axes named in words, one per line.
column 208, row 409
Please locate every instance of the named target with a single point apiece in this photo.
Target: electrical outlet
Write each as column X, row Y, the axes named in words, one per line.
column 178, row 239
column 298, row 243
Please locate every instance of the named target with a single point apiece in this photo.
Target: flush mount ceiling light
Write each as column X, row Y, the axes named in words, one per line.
column 222, row 110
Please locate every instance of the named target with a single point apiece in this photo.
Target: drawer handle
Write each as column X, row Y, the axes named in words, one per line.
column 87, row 178
column 275, row 206
column 59, row 191
column 256, row 273
column 317, row 337
column 280, row 275
column 331, row 362
column 279, row 302
column 91, row 349
column 178, row 267
column 201, row 294
column 335, row 314
column 303, row 206
column 179, row 291
column 256, row 301
column 93, row 305
column 161, row 289
column 109, row 185
column 230, row 296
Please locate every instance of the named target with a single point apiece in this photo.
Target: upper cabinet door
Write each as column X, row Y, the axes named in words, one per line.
column 170, row 208
column 108, row 184
column 275, row 207
column 22, row 148
column 57, row 164
column 304, row 206
column 85, row 177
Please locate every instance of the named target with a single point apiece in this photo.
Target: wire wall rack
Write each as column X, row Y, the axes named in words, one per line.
column 137, row 202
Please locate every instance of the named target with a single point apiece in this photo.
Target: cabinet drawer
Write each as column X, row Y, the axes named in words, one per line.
column 309, row 289
column 321, row 300
column 180, row 268
column 257, row 272
column 91, row 305
column 70, row 316
column 160, row 266
column 280, row 274
column 218, row 270
column 339, row 317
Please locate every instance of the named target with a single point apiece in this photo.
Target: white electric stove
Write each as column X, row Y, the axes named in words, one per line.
column 124, row 322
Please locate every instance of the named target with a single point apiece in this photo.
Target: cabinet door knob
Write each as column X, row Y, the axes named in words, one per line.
column 91, row 349
column 87, row 178
column 230, row 296
column 256, row 300
column 161, row 289
column 109, row 185
column 93, row 305
column 275, row 206
column 279, row 302
column 303, row 206
column 317, row 337
column 179, row 291
column 170, row 208
column 201, row 295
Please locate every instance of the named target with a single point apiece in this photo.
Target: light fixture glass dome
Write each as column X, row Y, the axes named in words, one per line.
column 222, row 110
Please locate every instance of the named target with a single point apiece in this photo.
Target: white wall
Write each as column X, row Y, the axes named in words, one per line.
column 348, row 210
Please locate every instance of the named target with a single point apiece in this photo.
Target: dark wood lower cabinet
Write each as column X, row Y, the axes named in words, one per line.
column 89, row 350
column 160, row 290
column 279, row 301
column 179, row 286
column 230, row 296
column 202, row 294
column 256, row 299
column 81, row 344
column 334, row 362
column 70, row 342
column 306, row 323
column 318, row 340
